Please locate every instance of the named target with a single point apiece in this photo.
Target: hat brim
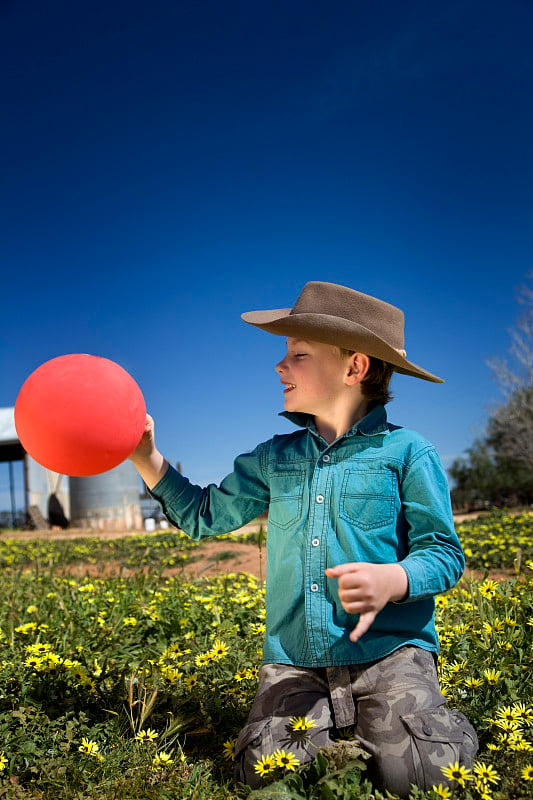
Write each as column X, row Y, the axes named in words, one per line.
column 335, row 331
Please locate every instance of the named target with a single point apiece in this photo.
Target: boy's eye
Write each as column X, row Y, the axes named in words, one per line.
column 300, row 355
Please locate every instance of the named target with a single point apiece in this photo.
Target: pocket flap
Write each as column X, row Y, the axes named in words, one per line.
column 435, row 725
column 251, row 731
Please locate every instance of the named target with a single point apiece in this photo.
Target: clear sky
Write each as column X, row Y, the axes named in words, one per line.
column 168, row 165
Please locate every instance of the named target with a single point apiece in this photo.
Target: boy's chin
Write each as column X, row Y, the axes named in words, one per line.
column 294, row 408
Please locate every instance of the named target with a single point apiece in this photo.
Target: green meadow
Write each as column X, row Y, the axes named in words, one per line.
column 135, row 685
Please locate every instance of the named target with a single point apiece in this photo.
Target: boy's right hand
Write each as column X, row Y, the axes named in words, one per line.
column 147, row 459
column 365, row 589
column 146, row 444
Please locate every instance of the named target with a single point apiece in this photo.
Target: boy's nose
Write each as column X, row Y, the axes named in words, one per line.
column 280, row 366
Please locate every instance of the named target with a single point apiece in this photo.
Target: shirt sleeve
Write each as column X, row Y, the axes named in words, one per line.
column 214, row 510
column 435, row 560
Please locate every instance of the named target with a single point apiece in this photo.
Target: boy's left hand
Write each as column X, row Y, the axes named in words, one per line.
column 365, row 589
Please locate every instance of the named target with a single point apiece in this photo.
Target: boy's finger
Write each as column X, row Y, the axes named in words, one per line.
column 340, row 569
column 365, row 621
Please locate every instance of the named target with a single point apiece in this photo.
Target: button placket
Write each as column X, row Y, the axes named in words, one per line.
column 316, row 603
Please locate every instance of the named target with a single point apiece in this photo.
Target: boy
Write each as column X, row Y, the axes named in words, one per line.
column 360, row 539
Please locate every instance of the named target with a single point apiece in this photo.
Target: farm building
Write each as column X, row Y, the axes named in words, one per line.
column 110, row 501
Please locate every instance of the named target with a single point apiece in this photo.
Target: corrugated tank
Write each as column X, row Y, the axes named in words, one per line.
column 109, row 501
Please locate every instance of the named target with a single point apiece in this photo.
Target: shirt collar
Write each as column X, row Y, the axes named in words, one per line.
column 375, row 422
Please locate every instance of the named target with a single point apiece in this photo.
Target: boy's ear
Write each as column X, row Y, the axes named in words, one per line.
column 358, row 367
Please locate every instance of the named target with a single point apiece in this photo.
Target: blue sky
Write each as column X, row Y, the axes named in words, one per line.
column 166, row 166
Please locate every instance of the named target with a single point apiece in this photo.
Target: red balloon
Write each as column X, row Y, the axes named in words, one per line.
column 80, row 414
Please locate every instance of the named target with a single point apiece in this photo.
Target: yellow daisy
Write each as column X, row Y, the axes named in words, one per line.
column 456, row 772
column 265, row 765
column 286, row 760
column 302, row 723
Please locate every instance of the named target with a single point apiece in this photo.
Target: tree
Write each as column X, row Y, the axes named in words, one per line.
column 498, row 468
column 510, row 428
column 483, row 477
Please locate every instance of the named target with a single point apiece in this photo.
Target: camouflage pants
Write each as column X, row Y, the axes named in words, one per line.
column 395, row 705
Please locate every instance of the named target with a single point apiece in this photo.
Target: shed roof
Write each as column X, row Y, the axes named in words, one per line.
column 10, row 447
column 8, row 433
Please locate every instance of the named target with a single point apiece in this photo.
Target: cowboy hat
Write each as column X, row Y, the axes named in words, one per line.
column 333, row 314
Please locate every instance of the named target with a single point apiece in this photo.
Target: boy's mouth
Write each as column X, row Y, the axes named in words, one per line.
column 288, row 387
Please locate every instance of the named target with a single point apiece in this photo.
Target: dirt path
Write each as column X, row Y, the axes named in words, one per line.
column 212, row 557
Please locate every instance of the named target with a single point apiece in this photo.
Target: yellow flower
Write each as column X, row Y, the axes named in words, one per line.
column 527, row 773
column 485, row 772
column 507, row 713
column 285, row 760
column 522, row 712
column 258, row 628
column 265, row 765
column 488, row 588
column 456, row 772
column 473, row 683
column 442, row 791
column 302, row 723
column 161, row 760
column 35, row 662
column 38, row 648
column 89, row 747
column 507, row 724
column 191, row 681
column 27, row 628
column 171, row 675
column 219, row 650
column 228, row 749
column 3, row 761
column 130, row 621
column 203, row 659
column 492, row 676
column 149, row 735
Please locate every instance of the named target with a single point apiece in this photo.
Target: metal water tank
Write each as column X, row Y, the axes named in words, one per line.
column 110, row 501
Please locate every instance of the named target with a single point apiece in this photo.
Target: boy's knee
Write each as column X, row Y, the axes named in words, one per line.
column 435, row 738
column 260, row 738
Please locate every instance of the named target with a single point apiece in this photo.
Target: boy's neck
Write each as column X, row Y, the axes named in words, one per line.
column 331, row 427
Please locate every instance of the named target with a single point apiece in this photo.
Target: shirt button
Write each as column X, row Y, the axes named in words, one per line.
column 315, row 542
column 326, row 458
column 314, row 587
column 320, row 498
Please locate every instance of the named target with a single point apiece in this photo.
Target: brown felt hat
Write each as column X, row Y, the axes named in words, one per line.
column 333, row 314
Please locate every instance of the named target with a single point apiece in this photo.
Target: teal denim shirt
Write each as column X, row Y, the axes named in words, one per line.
column 376, row 494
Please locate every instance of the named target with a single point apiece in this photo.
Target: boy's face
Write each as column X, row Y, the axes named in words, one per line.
column 313, row 376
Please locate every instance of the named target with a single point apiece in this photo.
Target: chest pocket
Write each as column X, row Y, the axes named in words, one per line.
column 286, row 494
column 367, row 498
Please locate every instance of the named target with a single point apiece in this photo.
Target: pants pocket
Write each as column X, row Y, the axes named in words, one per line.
column 439, row 736
column 252, row 743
